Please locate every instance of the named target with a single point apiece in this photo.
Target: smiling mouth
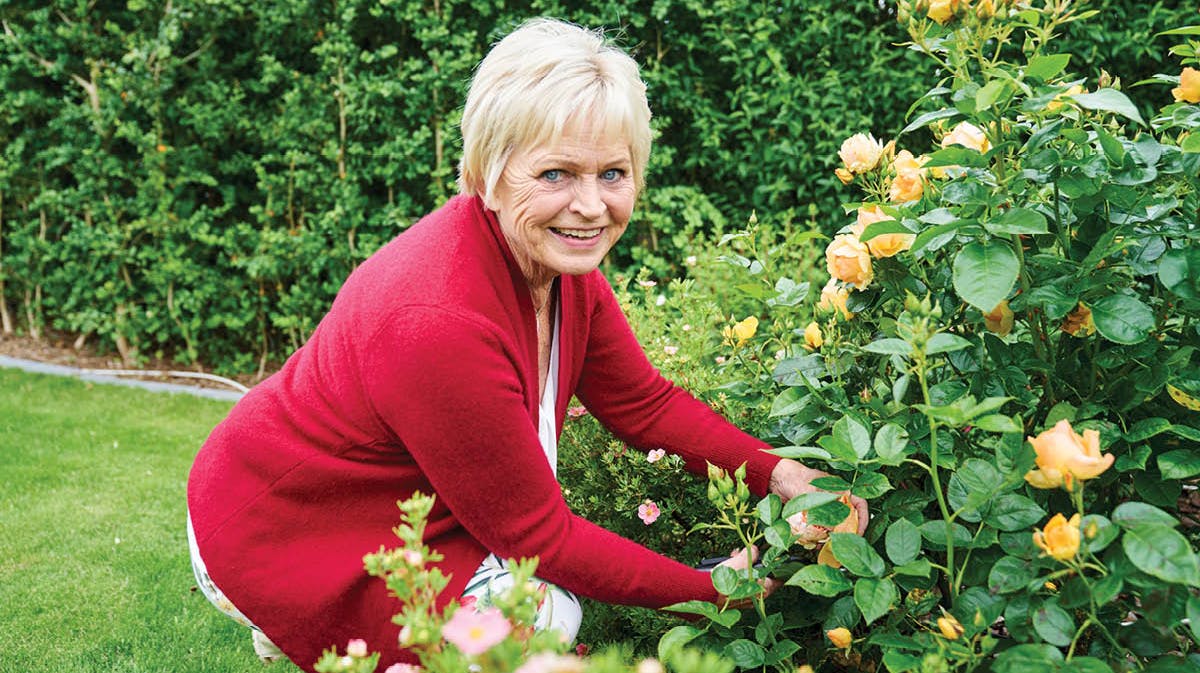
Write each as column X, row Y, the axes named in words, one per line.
column 581, row 234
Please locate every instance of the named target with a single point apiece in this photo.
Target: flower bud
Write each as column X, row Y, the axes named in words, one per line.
column 950, row 627
column 840, row 637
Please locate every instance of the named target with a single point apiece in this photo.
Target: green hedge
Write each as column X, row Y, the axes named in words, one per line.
column 196, row 178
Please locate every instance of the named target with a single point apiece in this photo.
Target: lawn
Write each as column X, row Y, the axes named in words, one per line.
column 94, row 570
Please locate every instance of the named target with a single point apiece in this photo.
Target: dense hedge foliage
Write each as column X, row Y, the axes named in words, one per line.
column 195, row 178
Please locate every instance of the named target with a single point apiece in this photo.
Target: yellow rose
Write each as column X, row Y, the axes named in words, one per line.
column 967, row 135
column 741, row 332
column 840, row 637
column 849, row 261
column 950, row 627
column 1063, row 456
column 985, row 9
column 885, row 245
column 999, row 320
column 833, row 298
column 1060, row 538
column 844, row 175
column 1057, row 102
column 942, row 10
column 860, row 152
column 812, row 336
column 1079, row 322
column 1189, row 86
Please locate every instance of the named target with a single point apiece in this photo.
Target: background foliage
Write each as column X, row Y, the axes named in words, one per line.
column 195, row 178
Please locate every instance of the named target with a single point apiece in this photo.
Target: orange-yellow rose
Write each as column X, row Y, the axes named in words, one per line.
column 909, row 183
column 1058, row 103
column 1060, row 538
column 849, row 261
column 812, row 336
column 942, row 10
column 860, row 152
column 1064, row 456
column 1079, row 323
column 840, row 637
column 884, row 245
column 1189, row 86
column 999, row 320
column 967, row 135
column 845, row 176
column 741, row 332
column 833, row 298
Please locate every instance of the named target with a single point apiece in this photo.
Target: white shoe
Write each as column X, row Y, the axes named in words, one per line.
column 264, row 648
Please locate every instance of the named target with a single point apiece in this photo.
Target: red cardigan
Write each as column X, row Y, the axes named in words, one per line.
column 423, row 376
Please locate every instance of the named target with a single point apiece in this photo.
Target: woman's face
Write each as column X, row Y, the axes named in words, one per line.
column 563, row 205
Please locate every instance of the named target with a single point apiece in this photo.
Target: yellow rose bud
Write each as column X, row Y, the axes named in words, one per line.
column 803, row 668
column 1079, row 323
column 1050, row 586
column 985, row 9
column 1063, row 456
column 849, row 261
column 1057, row 102
column 950, row 627
column 999, row 320
column 967, row 135
column 860, row 152
column 1189, row 86
column 840, row 637
column 812, row 336
column 833, row 298
column 942, row 10
column 1060, row 538
column 844, row 175
column 741, row 332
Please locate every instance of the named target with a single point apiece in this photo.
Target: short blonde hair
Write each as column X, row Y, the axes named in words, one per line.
column 542, row 77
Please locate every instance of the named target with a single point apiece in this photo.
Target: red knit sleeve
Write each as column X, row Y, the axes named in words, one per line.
column 451, row 391
column 630, row 397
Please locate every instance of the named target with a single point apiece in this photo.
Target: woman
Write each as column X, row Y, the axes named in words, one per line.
column 445, row 365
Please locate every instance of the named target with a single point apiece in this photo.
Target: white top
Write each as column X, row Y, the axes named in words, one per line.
column 546, row 419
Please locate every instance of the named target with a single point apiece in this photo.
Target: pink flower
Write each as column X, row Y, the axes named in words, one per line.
column 655, row 455
column 720, row 359
column 670, row 350
column 357, row 648
column 647, row 283
column 648, row 512
column 413, row 558
column 403, row 668
column 576, row 412
column 474, row 633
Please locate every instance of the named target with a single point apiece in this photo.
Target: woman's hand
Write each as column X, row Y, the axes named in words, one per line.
column 791, row 478
column 740, row 560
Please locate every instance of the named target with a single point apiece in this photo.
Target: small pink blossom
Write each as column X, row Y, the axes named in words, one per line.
column 403, row 668
column 413, row 558
column 648, row 512
column 357, row 648
column 670, row 350
column 473, row 632
column 576, row 412
column 582, row 649
column 647, row 283
column 720, row 359
column 655, row 455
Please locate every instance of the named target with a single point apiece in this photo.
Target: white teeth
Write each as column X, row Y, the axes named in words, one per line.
column 578, row 233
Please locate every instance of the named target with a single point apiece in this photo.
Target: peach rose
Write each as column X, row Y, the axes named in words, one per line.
column 833, row 298
column 1060, row 538
column 999, row 320
column 885, row 245
column 812, row 336
column 967, row 135
column 849, row 261
column 909, row 183
column 860, row 152
column 1063, row 456
column 1189, row 86
column 1079, row 323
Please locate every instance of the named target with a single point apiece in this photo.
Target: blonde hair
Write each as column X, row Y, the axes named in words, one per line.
column 542, row 78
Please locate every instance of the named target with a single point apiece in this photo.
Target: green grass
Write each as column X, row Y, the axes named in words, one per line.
column 94, row 569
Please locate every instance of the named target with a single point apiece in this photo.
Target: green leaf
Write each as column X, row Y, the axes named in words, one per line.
column 725, row 580
column 1098, row 532
column 800, row 452
column 919, row 568
column 1086, row 665
column 828, row 515
column 944, row 342
column 890, row 444
column 1134, row 514
column 889, row 347
column 807, row 501
column 956, row 155
column 1109, row 100
column 1053, row 624
column 1123, row 319
column 1186, row 30
column 870, row 485
column 989, row 93
column 933, row 238
column 1179, row 270
column 856, row 555
column 1012, row 512
column 928, row 118
column 998, row 423
column 899, row 662
column 1147, row 428
column 768, row 508
column 745, row 653
column 875, row 597
column 1028, row 658
column 852, row 431
column 1111, row 146
column 1193, row 613
column 1046, row 66
column 702, row 608
column 902, row 542
column 1160, row 551
column 1179, row 464
column 820, row 580
column 984, row 274
column 1018, row 221
column 1010, row 574
column 676, row 638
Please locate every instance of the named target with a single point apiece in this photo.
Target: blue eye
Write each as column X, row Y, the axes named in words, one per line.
column 612, row 175
column 552, row 175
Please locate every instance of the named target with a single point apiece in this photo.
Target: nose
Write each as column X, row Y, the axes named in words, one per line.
column 588, row 202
